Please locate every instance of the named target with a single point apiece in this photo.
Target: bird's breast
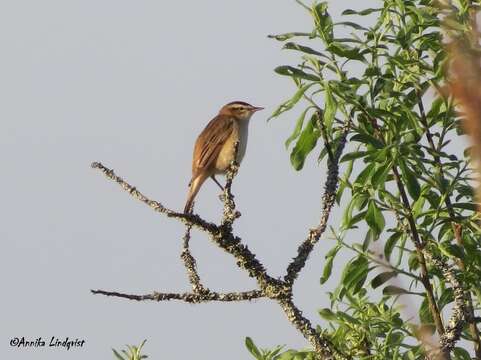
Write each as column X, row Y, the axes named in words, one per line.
column 240, row 133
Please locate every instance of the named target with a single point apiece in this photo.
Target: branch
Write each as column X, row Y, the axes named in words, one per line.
column 191, row 265
column 188, row 297
column 189, row 219
column 328, row 199
column 455, row 325
column 418, row 244
column 457, row 229
column 230, row 214
column 322, row 345
column 222, row 235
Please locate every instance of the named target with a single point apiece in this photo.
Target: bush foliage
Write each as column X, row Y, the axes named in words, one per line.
column 409, row 225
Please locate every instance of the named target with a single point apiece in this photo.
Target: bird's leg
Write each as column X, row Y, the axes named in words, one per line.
column 218, row 183
column 221, row 196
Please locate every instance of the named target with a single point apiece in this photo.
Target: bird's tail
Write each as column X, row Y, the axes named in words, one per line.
column 194, row 187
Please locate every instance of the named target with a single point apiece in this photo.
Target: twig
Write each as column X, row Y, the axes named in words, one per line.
column 456, row 323
column 230, row 214
column 321, row 344
column 191, row 265
column 189, row 219
column 187, row 297
column 420, row 246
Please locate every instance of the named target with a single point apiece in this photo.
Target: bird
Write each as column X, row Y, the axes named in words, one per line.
column 215, row 146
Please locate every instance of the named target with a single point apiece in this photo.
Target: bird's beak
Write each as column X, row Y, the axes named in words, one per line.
column 256, row 108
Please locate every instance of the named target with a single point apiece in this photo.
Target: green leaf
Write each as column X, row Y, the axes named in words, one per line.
column 253, row 349
column 375, row 219
column 435, row 108
column 464, row 191
column 355, row 273
column 365, row 174
column 466, row 206
column 380, row 175
column 362, row 12
column 297, row 130
column 419, row 204
column 117, row 355
column 394, row 339
column 326, row 273
column 323, row 22
column 354, row 155
column 382, row 278
column 424, row 312
column 413, row 261
column 330, row 108
column 368, row 238
column 289, row 104
column 451, row 250
column 461, row 354
column 355, row 219
column 352, row 24
column 347, row 319
column 345, row 51
column 372, row 71
column 302, row 48
column 287, row 355
column 368, row 140
column 411, row 181
column 390, row 244
column 394, row 290
column 287, row 36
column 327, row 314
column 293, row 72
column 307, row 141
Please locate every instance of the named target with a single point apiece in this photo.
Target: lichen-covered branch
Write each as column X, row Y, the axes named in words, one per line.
column 230, row 214
column 328, row 199
column 457, row 229
column 464, row 73
column 322, row 346
column 190, row 264
column 222, row 235
column 457, row 320
column 194, row 220
column 192, row 298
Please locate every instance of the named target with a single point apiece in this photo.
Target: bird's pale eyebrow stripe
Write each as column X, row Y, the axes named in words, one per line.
column 239, row 103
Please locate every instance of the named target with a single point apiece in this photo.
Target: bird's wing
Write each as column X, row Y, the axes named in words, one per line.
column 210, row 142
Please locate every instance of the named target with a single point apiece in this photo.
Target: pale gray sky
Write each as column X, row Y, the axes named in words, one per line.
column 131, row 84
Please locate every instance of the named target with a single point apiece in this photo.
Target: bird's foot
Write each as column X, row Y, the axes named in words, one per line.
column 222, row 197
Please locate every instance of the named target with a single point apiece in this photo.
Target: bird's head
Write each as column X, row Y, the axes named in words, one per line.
column 239, row 109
